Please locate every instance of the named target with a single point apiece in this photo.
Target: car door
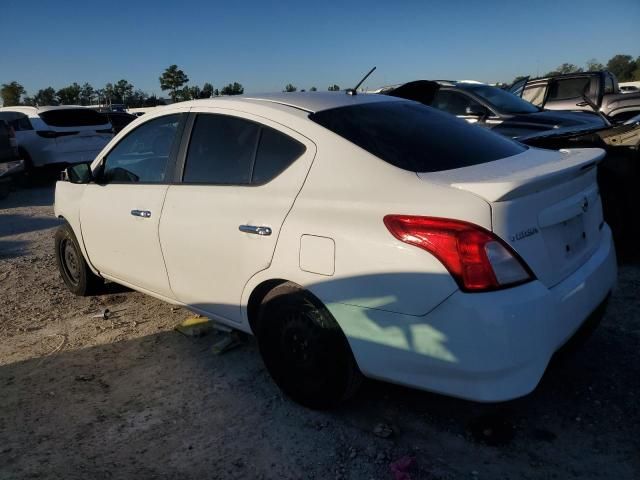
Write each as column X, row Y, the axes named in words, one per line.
column 220, row 225
column 120, row 213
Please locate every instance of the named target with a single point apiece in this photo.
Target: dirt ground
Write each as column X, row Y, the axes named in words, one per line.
column 129, row 397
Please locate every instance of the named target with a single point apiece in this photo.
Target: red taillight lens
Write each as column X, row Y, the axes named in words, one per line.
column 476, row 258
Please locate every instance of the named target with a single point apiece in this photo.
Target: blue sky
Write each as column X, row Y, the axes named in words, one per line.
column 264, row 47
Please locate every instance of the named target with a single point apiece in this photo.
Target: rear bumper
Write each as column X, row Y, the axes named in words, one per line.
column 485, row 347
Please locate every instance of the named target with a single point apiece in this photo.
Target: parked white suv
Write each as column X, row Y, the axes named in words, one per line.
column 352, row 235
column 57, row 135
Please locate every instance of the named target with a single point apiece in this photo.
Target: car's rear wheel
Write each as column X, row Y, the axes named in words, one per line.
column 304, row 349
column 73, row 268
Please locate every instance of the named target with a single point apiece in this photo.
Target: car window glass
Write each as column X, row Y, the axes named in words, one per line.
column 19, row 121
column 221, row 150
column 569, row 88
column 608, row 84
column 453, row 102
column 534, row 94
column 415, row 137
column 143, row 155
column 501, row 100
column 276, row 151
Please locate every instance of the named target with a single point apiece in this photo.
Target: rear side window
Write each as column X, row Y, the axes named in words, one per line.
column 415, row 137
column 569, row 88
column 226, row 150
column 73, row 117
column 276, row 152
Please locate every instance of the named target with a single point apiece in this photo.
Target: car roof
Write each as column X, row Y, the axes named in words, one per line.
column 308, row 101
column 37, row 110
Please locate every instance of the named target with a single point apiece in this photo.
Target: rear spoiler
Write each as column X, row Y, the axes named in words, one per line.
column 520, row 175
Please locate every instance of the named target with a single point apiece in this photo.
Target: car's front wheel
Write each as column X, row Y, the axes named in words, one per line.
column 74, row 270
column 304, row 349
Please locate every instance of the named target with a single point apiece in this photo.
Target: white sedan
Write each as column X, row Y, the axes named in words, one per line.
column 352, row 234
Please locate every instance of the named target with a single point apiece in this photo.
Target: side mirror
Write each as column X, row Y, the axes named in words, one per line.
column 78, row 173
column 476, row 110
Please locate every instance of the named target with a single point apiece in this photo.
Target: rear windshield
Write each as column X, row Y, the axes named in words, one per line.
column 73, row 117
column 415, row 137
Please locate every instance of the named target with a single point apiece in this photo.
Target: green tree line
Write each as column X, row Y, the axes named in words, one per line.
column 624, row 67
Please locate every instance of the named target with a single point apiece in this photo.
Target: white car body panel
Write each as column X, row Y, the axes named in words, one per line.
column 81, row 147
column 404, row 316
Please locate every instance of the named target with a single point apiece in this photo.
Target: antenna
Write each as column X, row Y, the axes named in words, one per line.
column 354, row 90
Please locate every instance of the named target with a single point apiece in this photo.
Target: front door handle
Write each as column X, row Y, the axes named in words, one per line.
column 141, row 213
column 262, row 231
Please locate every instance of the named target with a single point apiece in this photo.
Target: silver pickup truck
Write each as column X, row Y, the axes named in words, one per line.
column 580, row 91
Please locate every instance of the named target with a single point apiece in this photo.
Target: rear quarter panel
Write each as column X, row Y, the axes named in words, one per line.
column 345, row 198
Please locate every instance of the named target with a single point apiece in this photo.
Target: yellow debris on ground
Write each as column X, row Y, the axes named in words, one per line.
column 195, row 326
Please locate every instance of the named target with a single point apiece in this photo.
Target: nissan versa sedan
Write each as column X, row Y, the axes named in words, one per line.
column 354, row 235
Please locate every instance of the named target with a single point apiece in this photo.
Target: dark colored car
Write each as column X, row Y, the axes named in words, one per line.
column 494, row 108
column 10, row 164
column 119, row 120
column 587, row 91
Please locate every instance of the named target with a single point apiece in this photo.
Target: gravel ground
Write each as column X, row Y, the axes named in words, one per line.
column 129, row 397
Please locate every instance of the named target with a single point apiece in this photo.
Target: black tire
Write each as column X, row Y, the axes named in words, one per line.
column 73, row 268
column 304, row 349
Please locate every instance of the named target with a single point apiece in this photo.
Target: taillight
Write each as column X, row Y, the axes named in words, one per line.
column 477, row 259
column 54, row 134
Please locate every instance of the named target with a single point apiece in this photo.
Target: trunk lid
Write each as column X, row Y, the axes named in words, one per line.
column 545, row 204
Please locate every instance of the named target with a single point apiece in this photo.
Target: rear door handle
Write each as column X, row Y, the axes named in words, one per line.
column 262, row 231
column 141, row 213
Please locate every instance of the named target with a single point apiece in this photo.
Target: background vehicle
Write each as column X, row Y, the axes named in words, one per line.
column 565, row 92
column 629, row 89
column 494, row 108
column 119, row 120
column 10, row 164
column 57, row 136
column 353, row 234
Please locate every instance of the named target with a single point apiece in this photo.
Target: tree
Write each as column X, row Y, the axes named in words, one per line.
column 313, row 89
column 289, row 88
column 334, row 88
column 207, row 91
column 594, row 65
column 11, row 93
column 173, row 79
column 636, row 72
column 108, row 94
column 138, row 99
column 232, row 89
column 69, row 95
column 45, row 96
column 122, row 91
column 87, row 94
column 622, row 66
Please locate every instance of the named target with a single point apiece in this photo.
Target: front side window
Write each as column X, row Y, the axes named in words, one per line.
column 455, row 103
column 226, row 150
column 502, row 100
column 143, row 155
